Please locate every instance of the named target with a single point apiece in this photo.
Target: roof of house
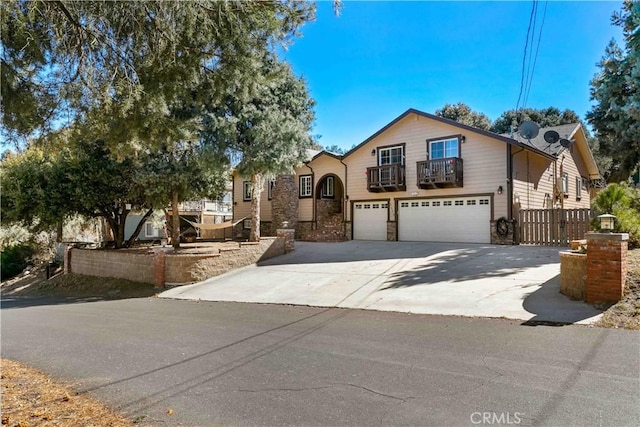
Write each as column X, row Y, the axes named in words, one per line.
column 502, row 138
column 565, row 131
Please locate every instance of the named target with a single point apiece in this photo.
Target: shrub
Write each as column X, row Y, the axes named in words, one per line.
column 623, row 202
column 14, row 259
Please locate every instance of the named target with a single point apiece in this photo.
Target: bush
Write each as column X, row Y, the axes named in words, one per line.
column 14, row 259
column 623, row 202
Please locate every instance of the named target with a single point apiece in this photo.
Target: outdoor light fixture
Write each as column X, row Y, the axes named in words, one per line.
column 606, row 222
column 463, row 139
column 500, row 190
column 414, row 194
column 373, row 152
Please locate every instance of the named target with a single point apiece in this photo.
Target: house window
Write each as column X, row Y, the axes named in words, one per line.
column 578, row 188
column 150, row 230
column 390, row 155
column 444, row 148
column 328, row 187
column 246, row 224
column 565, row 184
column 270, row 186
column 246, row 191
column 306, row 185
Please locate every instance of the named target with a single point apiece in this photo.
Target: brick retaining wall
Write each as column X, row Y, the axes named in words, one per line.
column 167, row 267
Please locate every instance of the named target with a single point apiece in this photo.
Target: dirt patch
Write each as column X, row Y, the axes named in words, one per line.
column 75, row 285
column 30, row 398
column 626, row 313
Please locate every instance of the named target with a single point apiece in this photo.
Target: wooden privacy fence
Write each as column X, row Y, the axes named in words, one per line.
column 552, row 227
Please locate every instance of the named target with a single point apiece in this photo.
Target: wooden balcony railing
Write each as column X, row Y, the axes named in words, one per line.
column 386, row 178
column 440, row 173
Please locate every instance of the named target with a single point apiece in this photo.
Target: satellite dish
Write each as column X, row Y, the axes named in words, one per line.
column 551, row 136
column 528, row 130
column 566, row 143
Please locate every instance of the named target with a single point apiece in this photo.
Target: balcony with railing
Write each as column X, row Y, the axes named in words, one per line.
column 440, row 173
column 190, row 206
column 386, row 178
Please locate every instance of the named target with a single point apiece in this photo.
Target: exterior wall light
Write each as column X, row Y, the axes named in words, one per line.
column 606, row 222
column 373, row 152
column 500, row 189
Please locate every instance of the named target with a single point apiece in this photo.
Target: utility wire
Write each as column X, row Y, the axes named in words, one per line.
column 527, row 75
column 535, row 57
column 524, row 56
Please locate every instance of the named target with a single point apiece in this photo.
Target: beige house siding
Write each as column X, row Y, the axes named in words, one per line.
column 242, row 208
column 535, row 178
column 484, row 163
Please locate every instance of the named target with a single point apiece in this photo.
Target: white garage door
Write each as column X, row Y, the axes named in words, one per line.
column 459, row 219
column 370, row 220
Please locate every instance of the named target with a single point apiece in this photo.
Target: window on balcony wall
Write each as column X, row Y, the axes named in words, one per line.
column 246, row 191
column 443, row 148
column 306, row 185
column 391, row 155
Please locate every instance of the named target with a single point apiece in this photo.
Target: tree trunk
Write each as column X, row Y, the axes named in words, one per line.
column 136, row 232
column 257, row 182
column 59, row 227
column 175, row 221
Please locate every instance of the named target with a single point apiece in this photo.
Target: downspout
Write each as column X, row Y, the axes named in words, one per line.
column 510, row 157
column 314, row 225
column 345, row 204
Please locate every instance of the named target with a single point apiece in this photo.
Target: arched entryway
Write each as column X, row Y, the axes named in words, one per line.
column 329, row 207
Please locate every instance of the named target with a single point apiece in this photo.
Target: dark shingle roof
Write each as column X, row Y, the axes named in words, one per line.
column 565, row 132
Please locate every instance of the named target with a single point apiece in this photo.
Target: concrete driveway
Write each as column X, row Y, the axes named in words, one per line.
column 517, row 282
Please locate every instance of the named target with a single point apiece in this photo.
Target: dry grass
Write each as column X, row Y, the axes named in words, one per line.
column 30, row 398
column 75, row 286
column 626, row 313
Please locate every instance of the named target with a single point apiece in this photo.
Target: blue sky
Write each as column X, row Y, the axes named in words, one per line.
column 377, row 59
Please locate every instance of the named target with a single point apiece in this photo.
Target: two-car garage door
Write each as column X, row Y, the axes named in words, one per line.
column 454, row 219
column 459, row 219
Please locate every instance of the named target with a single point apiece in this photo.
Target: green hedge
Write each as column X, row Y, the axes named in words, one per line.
column 14, row 259
column 623, row 202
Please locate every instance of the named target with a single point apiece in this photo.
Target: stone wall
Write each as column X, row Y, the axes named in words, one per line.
column 348, row 230
column 304, row 230
column 170, row 268
column 284, row 202
column 392, row 228
column 573, row 275
column 330, row 226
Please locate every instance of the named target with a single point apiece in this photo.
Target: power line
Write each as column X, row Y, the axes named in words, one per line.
column 524, row 56
column 535, row 57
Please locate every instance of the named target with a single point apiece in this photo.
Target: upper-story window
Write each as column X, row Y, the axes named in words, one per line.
column 565, row 184
column 306, row 185
column 444, row 148
column 246, row 191
column 391, row 155
column 578, row 188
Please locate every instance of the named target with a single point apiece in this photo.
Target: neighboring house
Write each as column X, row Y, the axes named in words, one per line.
column 424, row 178
column 148, row 232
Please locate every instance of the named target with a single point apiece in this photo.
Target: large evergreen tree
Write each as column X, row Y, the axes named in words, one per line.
column 616, row 89
column 544, row 117
column 266, row 131
column 462, row 113
column 119, row 70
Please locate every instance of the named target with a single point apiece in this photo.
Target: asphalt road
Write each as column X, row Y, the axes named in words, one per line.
column 248, row 364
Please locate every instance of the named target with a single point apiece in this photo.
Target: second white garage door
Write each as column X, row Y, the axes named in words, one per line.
column 460, row 219
column 370, row 220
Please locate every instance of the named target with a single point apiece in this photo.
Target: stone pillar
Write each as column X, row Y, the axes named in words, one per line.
column 288, row 235
column 606, row 266
column 392, row 228
column 67, row 259
column 284, row 202
column 159, row 266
